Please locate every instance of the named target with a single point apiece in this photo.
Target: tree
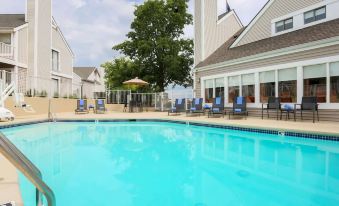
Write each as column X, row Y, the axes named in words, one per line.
column 156, row 44
column 118, row 71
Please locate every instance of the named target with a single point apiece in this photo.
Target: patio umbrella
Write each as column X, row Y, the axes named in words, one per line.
column 136, row 81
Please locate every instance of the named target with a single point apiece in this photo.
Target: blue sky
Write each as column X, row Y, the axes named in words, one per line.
column 92, row 27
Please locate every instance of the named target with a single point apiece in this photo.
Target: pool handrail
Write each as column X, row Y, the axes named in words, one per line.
column 27, row 168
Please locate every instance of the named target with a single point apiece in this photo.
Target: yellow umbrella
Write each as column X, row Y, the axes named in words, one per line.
column 136, row 81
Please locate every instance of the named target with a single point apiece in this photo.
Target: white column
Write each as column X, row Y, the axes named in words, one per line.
column 300, row 83
column 214, row 88
column 328, row 82
column 276, row 84
column 240, row 85
column 257, row 88
column 226, row 89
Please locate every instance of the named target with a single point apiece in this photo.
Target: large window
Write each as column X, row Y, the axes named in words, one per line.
column 334, row 73
column 248, row 87
column 55, row 87
column 5, row 38
column 315, row 82
column 55, row 60
column 267, row 85
column 287, row 85
column 209, row 91
column 315, row 15
column 233, row 88
column 284, row 25
column 219, row 87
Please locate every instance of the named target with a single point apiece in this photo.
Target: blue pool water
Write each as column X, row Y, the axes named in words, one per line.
column 149, row 163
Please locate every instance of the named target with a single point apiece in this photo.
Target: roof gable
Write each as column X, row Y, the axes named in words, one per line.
column 260, row 27
column 326, row 30
column 11, row 21
column 84, row 72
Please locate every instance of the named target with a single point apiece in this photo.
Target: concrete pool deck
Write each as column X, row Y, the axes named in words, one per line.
column 9, row 184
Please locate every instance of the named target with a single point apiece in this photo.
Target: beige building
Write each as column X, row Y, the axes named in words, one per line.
column 289, row 50
column 35, row 52
column 91, row 81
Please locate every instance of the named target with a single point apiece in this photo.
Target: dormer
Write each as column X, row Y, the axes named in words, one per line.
column 306, row 17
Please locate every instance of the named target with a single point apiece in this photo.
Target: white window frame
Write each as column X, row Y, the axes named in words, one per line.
column 300, row 80
column 59, row 56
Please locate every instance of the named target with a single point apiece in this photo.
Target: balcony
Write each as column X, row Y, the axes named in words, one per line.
column 6, row 51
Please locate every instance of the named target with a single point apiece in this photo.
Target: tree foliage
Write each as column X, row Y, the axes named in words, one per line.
column 156, row 46
column 118, row 71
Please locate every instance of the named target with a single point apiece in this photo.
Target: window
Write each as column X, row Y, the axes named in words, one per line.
column 209, row 91
column 315, row 15
column 233, row 88
column 219, row 87
column 267, row 85
column 5, row 38
column 315, row 82
column 55, row 61
column 334, row 85
column 55, row 87
column 248, row 87
column 287, row 87
column 284, row 25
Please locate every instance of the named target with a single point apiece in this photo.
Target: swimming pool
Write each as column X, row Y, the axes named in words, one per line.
column 159, row 163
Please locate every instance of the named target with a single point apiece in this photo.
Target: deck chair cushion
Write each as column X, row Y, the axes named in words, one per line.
column 193, row 109
column 216, row 109
column 239, row 100
column 237, row 110
column 218, row 100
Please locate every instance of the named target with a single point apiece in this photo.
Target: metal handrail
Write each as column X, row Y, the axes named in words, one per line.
column 27, row 168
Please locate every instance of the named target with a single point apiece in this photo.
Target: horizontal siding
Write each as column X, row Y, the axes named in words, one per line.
column 262, row 28
column 66, row 58
column 324, row 115
column 23, row 45
column 301, row 56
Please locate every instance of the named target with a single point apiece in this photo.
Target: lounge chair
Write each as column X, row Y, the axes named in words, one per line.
column 178, row 107
column 217, row 108
column 307, row 104
column 100, row 106
column 81, row 107
column 239, row 107
column 196, row 107
column 272, row 105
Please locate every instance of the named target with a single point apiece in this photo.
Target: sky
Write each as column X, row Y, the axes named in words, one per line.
column 93, row 27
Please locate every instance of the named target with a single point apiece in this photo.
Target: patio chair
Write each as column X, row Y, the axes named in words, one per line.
column 239, row 107
column 307, row 104
column 273, row 104
column 81, row 107
column 179, row 106
column 100, row 106
column 217, row 108
column 196, row 107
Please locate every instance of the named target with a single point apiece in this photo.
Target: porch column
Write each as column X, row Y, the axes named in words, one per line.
column 300, row 83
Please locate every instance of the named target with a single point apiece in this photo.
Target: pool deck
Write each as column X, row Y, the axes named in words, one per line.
column 9, row 186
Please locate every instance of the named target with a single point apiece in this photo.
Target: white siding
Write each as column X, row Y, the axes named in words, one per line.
column 66, row 57
column 23, row 45
column 261, row 29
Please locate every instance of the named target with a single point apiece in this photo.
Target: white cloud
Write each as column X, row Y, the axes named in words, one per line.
column 92, row 27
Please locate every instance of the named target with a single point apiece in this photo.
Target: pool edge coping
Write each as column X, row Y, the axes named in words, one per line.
column 264, row 130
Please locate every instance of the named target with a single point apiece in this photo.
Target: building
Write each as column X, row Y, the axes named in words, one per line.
column 289, row 50
column 90, row 81
column 35, row 52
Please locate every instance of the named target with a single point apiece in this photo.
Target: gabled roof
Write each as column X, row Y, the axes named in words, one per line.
column 11, row 21
column 84, row 72
column 309, row 34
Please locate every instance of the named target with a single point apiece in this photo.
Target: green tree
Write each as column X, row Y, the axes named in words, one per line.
column 156, row 43
column 118, row 71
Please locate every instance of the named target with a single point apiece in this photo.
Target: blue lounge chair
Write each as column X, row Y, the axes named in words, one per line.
column 218, row 107
column 100, row 106
column 178, row 107
column 196, row 107
column 81, row 106
column 239, row 107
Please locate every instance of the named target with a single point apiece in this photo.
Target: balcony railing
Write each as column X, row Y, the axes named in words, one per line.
column 6, row 51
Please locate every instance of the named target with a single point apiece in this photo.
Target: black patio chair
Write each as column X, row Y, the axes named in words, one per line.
column 218, row 107
column 273, row 104
column 307, row 104
column 239, row 107
column 196, row 107
column 179, row 106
